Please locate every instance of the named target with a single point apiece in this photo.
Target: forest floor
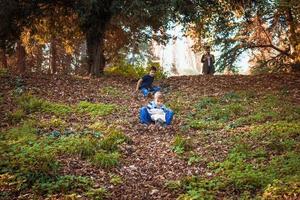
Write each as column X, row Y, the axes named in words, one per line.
column 152, row 162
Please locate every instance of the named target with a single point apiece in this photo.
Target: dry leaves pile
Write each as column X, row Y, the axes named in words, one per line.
column 148, row 162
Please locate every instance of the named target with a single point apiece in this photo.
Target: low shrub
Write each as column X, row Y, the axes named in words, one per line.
column 111, row 141
column 180, row 144
column 63, row 185
column 106, row 160
column 16, row 117
column 76, row 145
column 95, row 109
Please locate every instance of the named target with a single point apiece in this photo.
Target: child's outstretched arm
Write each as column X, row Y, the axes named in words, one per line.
column 138, row 85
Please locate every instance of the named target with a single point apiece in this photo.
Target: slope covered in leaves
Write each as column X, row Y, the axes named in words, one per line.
column 232, row 136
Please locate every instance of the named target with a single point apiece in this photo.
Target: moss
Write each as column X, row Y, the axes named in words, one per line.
column 106, row 160
column 95, row 109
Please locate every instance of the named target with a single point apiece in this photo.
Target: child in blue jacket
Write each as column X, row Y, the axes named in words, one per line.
column 156, row 112
column 145, row 83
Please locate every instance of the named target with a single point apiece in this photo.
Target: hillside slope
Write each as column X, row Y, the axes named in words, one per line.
column 232, row 137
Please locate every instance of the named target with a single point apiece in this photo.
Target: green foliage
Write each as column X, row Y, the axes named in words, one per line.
column 56, row 108
column 133, row 71
column 97, row 194
column 111, row 141
column 278, row 136
column 206, row 102
column 111, row 91
column 206, row 124
column 27, row 156
column 106, row 160
column 213, row 113
column 63, row 184
column 236, row 109
column 126, row 70
column 31, row 104
column 173, row 185
column 16, row 117
column 177, row 102
column 95, row 109
column 180, row 144
column 115, row 179
column 287, row 189
column 24, row 133
column 75, row 145
column 33, row 160
column 53, row 123
column 202, row 189
column 262, row 160
column 193, row 159
column 3, row 72
column 98, row 126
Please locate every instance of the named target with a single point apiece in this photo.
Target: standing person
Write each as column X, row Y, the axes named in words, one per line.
column 145, row 83
column 208, row 61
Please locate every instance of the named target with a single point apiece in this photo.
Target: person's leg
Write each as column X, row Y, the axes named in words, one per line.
column 145, row 91
column 205, row 69
column 169, row 116
column 145, row 117
column 210, row 70
column 155, row 89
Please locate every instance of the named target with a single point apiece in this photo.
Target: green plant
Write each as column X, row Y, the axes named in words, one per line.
column 123, row 68
column 115, row 179
column 30, row 103
column 206, row 102
column 106, row 160
column 56, row 108
column 98, row 126
column 180, row 144
column 111, row 141
column 111, row 91
column 3, row 72
column 194, row 158
column 97, row 194
column 205, row 124
column 17, row 116
column 53, row 123
column 173, row 184
column 95, row 109
column 63, row 184
column 76, row 145
column 283, row 189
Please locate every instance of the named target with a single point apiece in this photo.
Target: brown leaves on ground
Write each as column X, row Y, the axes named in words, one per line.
column 148, row 162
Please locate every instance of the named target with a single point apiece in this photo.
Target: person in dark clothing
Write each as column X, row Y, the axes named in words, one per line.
column 145, row 83
column 208, row 61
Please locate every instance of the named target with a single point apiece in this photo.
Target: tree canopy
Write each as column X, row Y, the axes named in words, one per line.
column 267, row 30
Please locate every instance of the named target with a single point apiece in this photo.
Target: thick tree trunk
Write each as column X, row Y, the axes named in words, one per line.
column 293, row 39
column 3, row 59
column 95, row 52
column 53, row 57
column 21, row 58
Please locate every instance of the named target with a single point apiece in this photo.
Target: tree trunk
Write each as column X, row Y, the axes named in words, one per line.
column 67, row 62
column 39, row 58
column 293, row 40
column 95, row 51
column 3, row 59
column 21, row 58
column 53, row 57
